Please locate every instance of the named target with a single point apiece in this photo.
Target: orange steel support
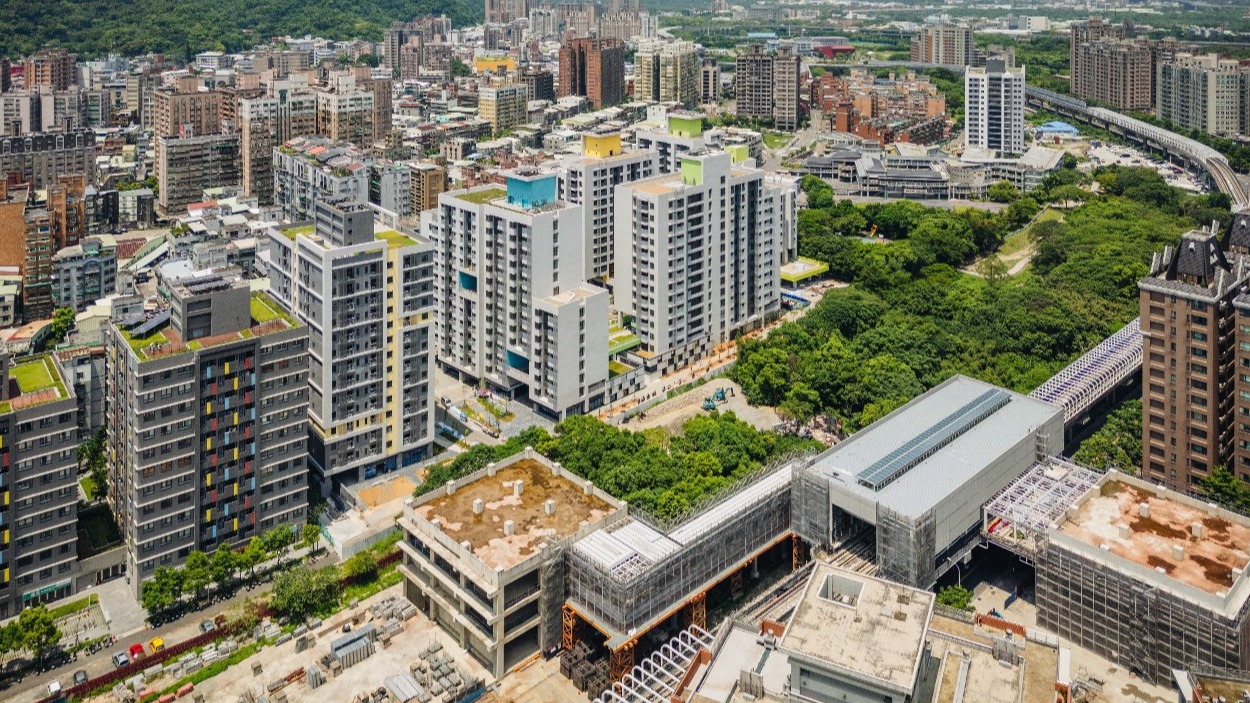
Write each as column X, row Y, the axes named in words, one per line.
column 698, row 610
column 735, row 581
column 567, row 636
column 621, row 661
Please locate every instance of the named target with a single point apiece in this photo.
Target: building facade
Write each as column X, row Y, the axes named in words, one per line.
column 594, row 68
column 504, row 107
column 515, row 310
column 289, row 111
column 187, row 166
column 698, row 255
column 943, row 43
column 83, row 273
column 38, row 445
column 668, row 72
column 365, row 290
column 994, row 107
column 1206, row 93
column 206, row 440
column 1119, row 73
column 40, row 159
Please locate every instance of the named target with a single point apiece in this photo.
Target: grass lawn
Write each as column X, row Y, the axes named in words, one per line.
column 99, row 526
column 1018, row 241
column 37, row 375
column 74, row 607
column 776, row 140
column 616, row 368
column 479, row 197
column 89, row 487
column 395, row 240
column 618, row 343
column 293, row 232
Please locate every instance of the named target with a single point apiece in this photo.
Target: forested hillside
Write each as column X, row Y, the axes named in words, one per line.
column 186, row 27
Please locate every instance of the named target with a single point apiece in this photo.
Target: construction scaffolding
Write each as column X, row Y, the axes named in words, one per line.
column 1080, row 384
column 1017, row 518
column 658, row 679
column 628, row 578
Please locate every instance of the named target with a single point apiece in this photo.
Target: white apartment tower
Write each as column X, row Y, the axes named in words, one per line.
column 994, row 107
column 591, row 180
column 514, row 307
column 365, row 290
column 698, row 255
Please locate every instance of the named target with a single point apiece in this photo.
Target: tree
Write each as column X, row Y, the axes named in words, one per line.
column 942, row 238
column 161, row 592
column 62, row 324
column 310, row 535
column 956, row 597
column 252, row 556
column 1003, row 192
column 222, row 566
column 1022, row 211
column 196, row 573
column 91, row 459
column 1117, row 443
column 1222, row 486
column 459, row 68
column 299, row 592
column 361, row 567
column 38, row 631
column 801, row 403
column 278, row 539
column 370, row 60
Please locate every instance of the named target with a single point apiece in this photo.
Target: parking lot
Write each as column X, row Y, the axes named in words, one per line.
column 1111, row 154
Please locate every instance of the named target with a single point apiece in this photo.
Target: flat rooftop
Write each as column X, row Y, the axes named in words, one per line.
column 1111, row 515
column 533, row 526
column 917, row 456
column 34, row 381
column 860, row 624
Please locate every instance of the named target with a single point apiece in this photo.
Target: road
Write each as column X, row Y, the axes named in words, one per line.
column 34, row 688
column 805, row 137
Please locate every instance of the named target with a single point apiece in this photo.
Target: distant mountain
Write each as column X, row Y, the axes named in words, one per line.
column 95, row 28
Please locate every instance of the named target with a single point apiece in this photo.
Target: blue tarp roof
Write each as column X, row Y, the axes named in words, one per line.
column 1057, row 126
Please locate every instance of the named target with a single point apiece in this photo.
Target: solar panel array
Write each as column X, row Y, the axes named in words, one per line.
column 157, row 320
column 909, row 455
column 132, row 320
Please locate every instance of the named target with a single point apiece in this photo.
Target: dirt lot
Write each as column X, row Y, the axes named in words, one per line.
column 381, row 493
column 671, row 414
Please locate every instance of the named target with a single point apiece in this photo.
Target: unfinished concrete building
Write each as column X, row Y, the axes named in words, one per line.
column 1151, row 579
column 920, row 475
column 483, row 556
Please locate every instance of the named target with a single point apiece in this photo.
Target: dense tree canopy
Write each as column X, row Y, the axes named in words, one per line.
column 185, row 28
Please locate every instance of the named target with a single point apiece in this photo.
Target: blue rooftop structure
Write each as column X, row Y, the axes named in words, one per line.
column 1057, row 127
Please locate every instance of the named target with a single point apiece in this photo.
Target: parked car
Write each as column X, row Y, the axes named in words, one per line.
column 120, row 659
column 54, row 688
column 136, row 652
column 80, row 677
column 208, row 626
column 156, row 644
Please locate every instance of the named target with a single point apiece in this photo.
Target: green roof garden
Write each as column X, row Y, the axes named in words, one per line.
column 395, row 240
column 266, row 309
column 34, row 375
column 481, row 197
column 293, row 232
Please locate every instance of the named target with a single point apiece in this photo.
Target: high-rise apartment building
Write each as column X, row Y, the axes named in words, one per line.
column 994, row 107
column 383, row 102
column 594, row 68
column 429, row 180
column 185, row 109
column 709, row 82
column 308, row 169
column 698, row 256
column 1205, row 93
column 668, row 72
column 40, row 159
column 1116, row 72
column 287, row 112
column 206, row 415
column 1080, row 66
column 504, row 107
column 591, row 180
column 422, row 30
column 186, row 166
column 365, row 289
column 345, row 112
column 515, row 310
column 943, row 43
column 505, row 11
column 39, row 472
column 1189, row 344
column 542, row 84
column 766, row 85
column 52, row 68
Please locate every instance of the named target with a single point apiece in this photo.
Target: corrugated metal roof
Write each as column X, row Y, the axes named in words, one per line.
column 739, row 502
column 942, row 473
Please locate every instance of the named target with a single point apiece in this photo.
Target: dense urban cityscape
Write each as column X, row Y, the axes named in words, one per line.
column 522, row 351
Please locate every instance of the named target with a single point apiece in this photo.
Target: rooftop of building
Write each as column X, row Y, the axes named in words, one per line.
column 1199, row 267
column 33, row 381
column 1213, row 685
column 856, row 623
column 915, row 457
column 532, row 526
column 1152, row 528
column 152, row 336
column 394, row 238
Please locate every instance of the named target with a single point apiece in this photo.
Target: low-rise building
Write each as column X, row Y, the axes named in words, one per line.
column 484, row 555
column 84, row 273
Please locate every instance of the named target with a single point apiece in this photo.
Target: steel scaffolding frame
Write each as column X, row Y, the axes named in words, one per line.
column 1018, row 517
column 656, row 678
column 623, row 586
column 1080, row 384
